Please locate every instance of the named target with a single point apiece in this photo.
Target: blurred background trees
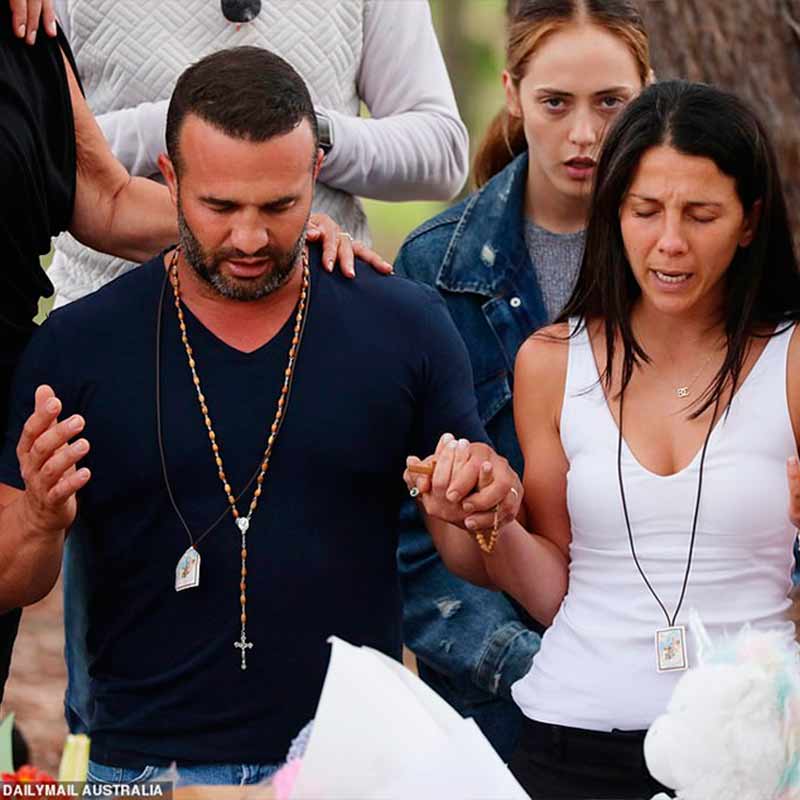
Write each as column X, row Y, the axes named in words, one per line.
column 749, row 46
column 471, row 34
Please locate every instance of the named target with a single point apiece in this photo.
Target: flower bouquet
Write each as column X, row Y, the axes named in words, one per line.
column 73, row 767
column 381, row 733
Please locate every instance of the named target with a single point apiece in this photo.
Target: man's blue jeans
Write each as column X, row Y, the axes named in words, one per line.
column 77, row 703
column 231, row 774
column 796, row 570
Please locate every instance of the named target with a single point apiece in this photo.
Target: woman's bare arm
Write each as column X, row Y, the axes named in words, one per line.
column 793, row 395
column 533, row 566
column 132, row 218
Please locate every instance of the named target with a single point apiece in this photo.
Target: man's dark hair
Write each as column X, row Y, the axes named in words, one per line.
column 762, row 282
column 245, row 92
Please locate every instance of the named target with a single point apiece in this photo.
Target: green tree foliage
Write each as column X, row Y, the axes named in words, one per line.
column 471, row 34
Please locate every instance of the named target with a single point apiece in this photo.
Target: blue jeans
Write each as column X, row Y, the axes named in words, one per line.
column 796, row 570
column 471, row 644
column 78, row 701
column 232, row 774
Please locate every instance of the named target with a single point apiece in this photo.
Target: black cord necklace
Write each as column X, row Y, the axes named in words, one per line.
column 160, row 434
column 670, row 641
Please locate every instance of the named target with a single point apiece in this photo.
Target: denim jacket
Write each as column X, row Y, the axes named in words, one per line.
column 473, row 644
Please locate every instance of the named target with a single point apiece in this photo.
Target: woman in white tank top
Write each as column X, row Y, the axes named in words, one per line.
column 658, row 421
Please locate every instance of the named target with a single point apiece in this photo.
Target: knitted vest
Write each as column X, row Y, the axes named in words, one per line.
column 132, row 51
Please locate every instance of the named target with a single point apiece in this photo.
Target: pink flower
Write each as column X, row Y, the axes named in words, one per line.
column 284, row 778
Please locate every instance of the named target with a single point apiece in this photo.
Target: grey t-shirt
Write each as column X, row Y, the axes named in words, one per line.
column 556, row 259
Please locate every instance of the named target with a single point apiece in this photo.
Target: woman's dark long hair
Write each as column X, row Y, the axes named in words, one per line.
column 762, row 282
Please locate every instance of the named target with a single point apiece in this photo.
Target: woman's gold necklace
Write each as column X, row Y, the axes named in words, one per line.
column 187, row 573
column 686, row 389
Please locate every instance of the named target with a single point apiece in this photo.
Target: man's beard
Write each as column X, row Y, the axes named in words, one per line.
column 207, row 265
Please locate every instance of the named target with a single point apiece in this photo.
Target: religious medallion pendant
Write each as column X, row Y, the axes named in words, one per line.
column 187, row 573
column 671, row 649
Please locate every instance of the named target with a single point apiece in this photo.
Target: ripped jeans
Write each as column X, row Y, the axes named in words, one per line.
column 471, row 644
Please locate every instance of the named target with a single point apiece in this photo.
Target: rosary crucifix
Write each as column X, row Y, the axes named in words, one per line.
column 244, row 646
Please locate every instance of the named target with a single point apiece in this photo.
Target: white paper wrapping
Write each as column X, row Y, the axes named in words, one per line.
column 381, row 734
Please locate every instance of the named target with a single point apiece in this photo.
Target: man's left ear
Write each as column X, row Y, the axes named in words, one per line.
column 318, row 162
column 750, row 224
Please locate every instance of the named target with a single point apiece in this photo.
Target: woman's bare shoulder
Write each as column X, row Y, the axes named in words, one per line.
column 540, row 376
column 544, row 353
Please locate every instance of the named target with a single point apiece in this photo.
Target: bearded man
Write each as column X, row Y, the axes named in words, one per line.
column 249, row 416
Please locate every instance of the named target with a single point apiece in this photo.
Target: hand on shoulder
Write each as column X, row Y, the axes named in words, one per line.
column 27, row 15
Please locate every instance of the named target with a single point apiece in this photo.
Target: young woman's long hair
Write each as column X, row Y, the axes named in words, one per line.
column 762, row 283
column 529, row 22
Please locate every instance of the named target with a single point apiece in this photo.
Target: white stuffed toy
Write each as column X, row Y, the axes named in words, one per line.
column 732, row 727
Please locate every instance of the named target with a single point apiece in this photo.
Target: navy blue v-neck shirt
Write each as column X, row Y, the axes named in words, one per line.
column 381, row 374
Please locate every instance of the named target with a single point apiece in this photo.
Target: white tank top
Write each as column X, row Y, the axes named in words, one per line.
column 597, row 665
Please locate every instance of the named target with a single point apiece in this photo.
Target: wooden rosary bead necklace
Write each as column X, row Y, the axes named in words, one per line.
column 488, row 539
column 188, row 570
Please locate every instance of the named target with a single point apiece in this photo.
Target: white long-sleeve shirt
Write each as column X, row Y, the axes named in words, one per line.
column 414, row 145
column 383, row 53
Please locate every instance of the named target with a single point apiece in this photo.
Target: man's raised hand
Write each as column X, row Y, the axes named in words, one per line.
column 48, row 462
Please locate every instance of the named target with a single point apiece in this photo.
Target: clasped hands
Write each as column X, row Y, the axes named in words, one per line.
column 470, row 484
